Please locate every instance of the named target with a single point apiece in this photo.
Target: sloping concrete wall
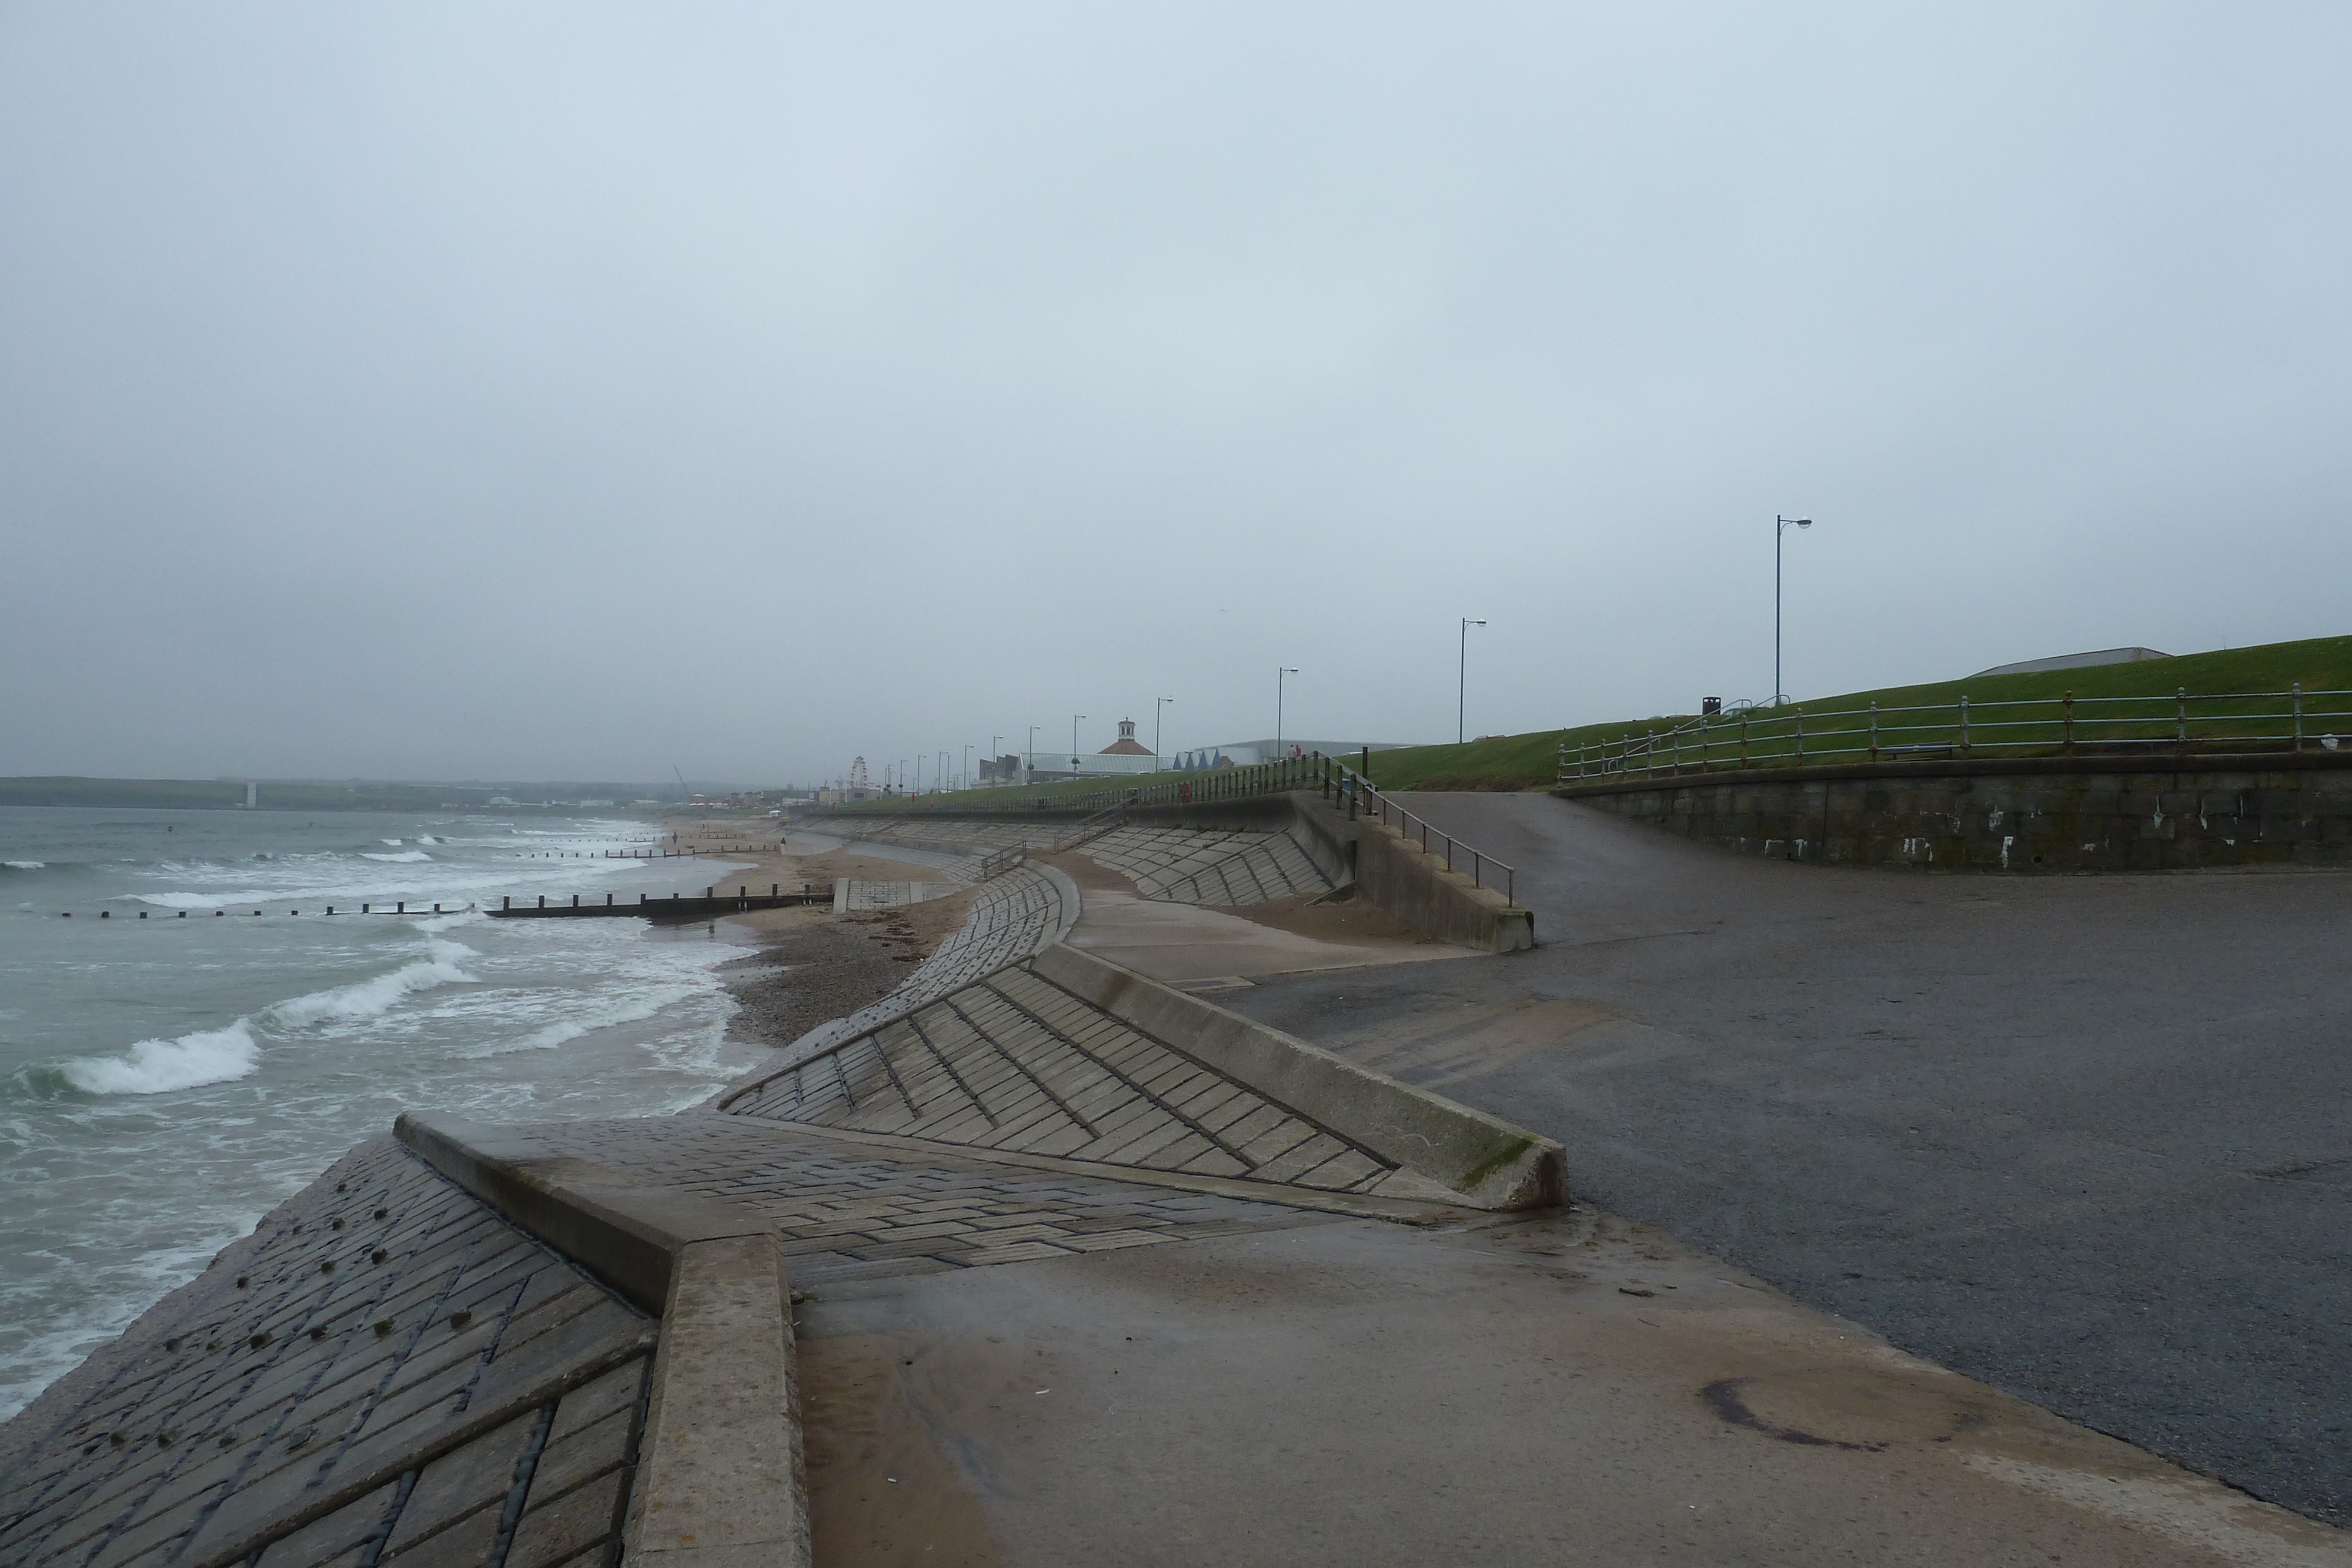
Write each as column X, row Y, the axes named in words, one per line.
column 1463, row 1156
column 2054, row 814
column 1387, row 870
column 722, row 1482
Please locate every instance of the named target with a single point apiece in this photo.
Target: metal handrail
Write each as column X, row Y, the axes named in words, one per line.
column 1359, row 794
column 2066, row 725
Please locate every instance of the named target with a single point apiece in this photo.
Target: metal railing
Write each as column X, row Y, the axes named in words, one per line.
column 996, row 862
column 1093, row 826
column 1350, row 790
column 2226, row 723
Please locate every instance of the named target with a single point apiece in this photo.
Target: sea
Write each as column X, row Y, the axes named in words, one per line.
column 165, row 1081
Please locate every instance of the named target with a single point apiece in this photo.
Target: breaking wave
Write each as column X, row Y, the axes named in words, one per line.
column 374, row 998
column 407, row 857
column 159, row 1066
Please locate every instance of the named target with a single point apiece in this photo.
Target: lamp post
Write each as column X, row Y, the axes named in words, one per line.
column 967, row 767
column 1462, row 683
column 1074, row 743
column 993, row 742
column 1781, row 526
column 1029, row 758
column 1159, row 706
column 1280, row 670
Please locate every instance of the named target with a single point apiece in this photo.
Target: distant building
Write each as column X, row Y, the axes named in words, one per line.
column 2075, row 662
column 1125, row 755
column 1246, row 753
column 1125, row 744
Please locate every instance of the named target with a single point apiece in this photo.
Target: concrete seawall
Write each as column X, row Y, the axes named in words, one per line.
column 2053, row 814
column 1083, row 1269
column 1390, row 870
column 720, row 1480
column 572, row 1343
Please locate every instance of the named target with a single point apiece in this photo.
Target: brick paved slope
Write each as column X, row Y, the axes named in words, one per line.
column 1185, row 866
column 352, row 1341
column 852, row 1211
column 1012, row 917
column 1016, row 1062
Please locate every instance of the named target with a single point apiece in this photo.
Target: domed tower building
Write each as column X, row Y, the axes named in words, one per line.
column 1125, row 744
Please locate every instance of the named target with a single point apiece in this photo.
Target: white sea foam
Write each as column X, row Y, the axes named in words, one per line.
column 158, row 1066
column 427, row 839
column 378, row 996
column 25, row 865
column 394, row 842
column 406, row 857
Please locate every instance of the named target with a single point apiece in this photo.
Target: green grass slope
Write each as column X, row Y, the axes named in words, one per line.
column 1529, row 761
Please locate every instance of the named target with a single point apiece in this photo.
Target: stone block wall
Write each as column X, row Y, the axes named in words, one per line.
column 2090, row 814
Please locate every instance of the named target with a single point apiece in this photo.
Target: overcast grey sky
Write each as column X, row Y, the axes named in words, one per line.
column 574, row 390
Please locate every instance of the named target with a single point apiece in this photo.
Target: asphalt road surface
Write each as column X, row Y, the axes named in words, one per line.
column 2088, row 1139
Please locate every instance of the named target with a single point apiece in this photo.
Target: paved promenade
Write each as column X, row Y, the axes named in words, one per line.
column 2082, row 1137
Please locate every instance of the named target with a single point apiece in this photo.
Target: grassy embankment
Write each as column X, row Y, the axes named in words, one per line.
column 1529, row 761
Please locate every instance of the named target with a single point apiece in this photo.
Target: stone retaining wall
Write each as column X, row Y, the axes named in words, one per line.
column 2053, row 814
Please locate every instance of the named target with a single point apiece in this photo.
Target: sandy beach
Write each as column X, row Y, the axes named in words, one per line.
column 811, row 965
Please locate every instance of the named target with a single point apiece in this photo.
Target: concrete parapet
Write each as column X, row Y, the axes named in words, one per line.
column 2042, row 814
column 627, row 1235
column 722, row 1483
column 1443, row 1150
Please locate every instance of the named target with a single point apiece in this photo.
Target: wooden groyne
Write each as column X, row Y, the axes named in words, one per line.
column 677, row 906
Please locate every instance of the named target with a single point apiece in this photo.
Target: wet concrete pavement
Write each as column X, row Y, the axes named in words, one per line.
column 2084, row 1138
column 1553, row 1388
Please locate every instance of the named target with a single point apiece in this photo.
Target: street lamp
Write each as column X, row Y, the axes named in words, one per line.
column 967, row 769
column 1029, row 758
column 1462, row 683
column 1280, row 670
column 1159, row 706
column 1074, row 743
column 1781, row 526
